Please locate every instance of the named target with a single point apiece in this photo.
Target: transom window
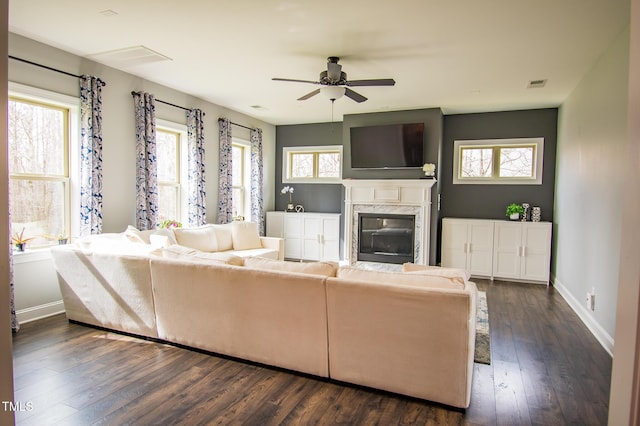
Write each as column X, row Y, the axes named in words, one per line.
column 498, row 161
column 41, row 125
column 313, row 164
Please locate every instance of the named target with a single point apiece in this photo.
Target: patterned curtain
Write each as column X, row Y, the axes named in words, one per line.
column 90, row 155
column 196, row 181
column 225, row 196
column 257, row 208
column 146, row 162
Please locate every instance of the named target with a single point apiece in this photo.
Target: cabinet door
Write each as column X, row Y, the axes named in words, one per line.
column 454, row 243
column 330, row 238
column 480, row 248
column 312, row 229
column 507, row 249
column 293, row 233
column 536, row 246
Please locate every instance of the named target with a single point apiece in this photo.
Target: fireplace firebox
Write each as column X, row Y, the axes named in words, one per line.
column 386, row 238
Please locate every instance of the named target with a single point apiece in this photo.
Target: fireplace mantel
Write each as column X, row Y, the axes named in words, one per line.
column 404, row 196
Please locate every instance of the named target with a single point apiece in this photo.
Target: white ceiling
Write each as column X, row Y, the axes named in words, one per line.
column 460, row 55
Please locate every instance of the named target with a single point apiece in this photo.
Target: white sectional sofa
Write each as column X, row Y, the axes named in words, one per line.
column 408, row 332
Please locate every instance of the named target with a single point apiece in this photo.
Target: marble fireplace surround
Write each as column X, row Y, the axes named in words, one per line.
column 387, row 196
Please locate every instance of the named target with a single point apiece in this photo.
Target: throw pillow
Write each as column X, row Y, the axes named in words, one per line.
column 436, row 270
column 382, row 277
column 162, row 238
column 186, row 253
column 245, row 236
column 325, row 269
column 201, row 238
column 134, row 235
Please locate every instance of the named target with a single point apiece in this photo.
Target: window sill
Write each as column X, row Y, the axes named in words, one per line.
column 31, row 255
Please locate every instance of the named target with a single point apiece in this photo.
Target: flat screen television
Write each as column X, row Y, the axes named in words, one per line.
column 390, row 146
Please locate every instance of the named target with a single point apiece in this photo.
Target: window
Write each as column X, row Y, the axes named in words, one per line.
column 169, row 153
column 498, row 161
column 313, row 164
column 42, row 132
column 241, row 177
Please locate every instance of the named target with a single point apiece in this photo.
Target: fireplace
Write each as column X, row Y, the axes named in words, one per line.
column 386, row 238
column 390, row 199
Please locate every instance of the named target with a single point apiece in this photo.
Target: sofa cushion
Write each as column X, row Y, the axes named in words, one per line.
column 224, row 236
column 267, row 253
column 134, row 235
column 413, row 280
column 187, row 253
column 436, row 270
column 245, row 235
column 325, row 269
column 162, row 238
column 201, row 238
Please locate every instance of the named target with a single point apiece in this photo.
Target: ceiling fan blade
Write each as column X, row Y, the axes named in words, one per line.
column 333, row 71
column 372, row 82
column 294, row 80
column 354, row 95
column 308, row 95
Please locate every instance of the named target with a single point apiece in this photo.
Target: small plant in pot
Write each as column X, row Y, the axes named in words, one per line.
column 19, row 240
column 514, row 211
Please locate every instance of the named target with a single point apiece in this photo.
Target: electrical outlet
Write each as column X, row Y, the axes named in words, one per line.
column 591, row 301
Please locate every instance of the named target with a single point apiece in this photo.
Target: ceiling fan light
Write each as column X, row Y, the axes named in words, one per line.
column 332, row 92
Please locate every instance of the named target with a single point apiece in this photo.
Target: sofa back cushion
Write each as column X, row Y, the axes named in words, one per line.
column 224, row 236
column 245, row 235
column 325, row 269
column 201, row 238
column 412, row 280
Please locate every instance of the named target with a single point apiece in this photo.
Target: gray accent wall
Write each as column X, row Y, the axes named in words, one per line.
column 490, row 201
column 314, row 197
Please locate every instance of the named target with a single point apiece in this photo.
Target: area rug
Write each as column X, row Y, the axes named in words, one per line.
column 483, row 341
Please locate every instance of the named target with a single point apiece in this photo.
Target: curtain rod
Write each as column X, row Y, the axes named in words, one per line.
column 48, row 68
column 236, row 124
column 133, row 92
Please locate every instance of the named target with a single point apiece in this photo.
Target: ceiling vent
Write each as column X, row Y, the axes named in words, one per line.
column 536, row 84
column 129, row 57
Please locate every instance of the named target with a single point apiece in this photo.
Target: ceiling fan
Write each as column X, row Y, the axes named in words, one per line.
column 335, row 84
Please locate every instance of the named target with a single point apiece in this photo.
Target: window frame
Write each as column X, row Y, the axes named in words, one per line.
column 496, row 145
column 71, row 176
column 288, row 151
column 181, row 164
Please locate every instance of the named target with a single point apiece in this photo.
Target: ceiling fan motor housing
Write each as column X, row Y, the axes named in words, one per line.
column 325, row 80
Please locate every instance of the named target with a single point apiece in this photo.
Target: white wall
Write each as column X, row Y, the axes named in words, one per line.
column 592, row 135
column 37, row 293
column 624, row 404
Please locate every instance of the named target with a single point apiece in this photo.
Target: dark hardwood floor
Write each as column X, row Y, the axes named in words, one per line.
column 546, row 369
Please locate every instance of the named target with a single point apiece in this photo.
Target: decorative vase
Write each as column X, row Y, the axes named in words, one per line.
column 525, row 213
column 536, row 214
column 62, row 241
column 290, row 207
column 20, row 246
column 514, row 216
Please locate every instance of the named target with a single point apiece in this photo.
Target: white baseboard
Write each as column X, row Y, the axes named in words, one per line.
column 585, row 316
column 40, row 311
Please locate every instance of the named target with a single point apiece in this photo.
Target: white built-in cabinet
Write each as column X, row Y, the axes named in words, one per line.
column 519, row 251
column 468, row 244
column 307, row 236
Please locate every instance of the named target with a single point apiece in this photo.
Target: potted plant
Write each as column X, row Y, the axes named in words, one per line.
column 288, row 190
column 19, row 240
column 514, row 211
column 62, row 239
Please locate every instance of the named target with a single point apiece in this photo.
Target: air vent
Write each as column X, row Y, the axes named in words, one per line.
column 536, row 84
column 129, row 56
